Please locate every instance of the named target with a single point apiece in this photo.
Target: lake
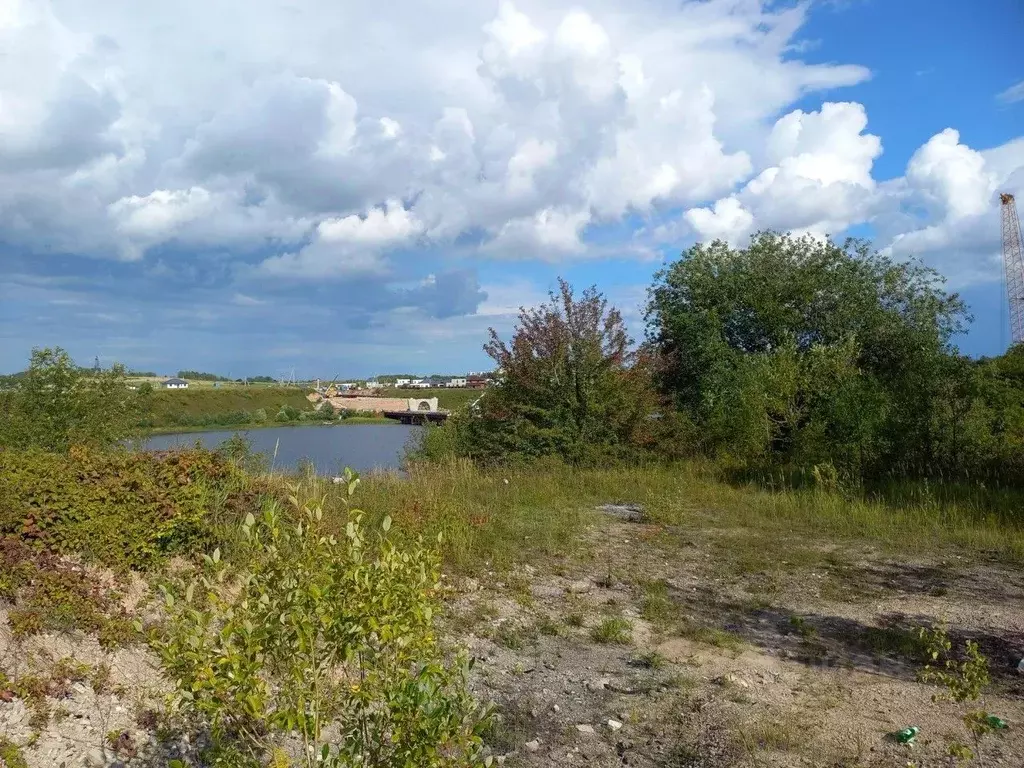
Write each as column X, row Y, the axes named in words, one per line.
column 363, row 447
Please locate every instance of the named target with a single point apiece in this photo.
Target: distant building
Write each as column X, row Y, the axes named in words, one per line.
column 402, row 382
column 373, row 385
column 435, row 382
column 419, row 384
column 457, row 382
column 477, row 381
column 175, row 384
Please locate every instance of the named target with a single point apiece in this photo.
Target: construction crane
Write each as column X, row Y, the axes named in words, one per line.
column 1013, row 264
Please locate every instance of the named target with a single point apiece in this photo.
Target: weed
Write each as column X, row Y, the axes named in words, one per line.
column 649, row 660
column 802, row 628
column 781, row 735
column 656, row 606
column 11, row 755
column 480, row 612
column 519, row 587
column 100, row 678
column 575, row 619
column 906, row 643
column 515, row 638
column 680, row 681
column 614, row 629
column 719, row 638
column 546, row 625
column 122, row 743
column 964, row 683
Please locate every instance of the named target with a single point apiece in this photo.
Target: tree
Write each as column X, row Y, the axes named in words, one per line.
column 570, row 384
column 56, row 405
column 808, row 348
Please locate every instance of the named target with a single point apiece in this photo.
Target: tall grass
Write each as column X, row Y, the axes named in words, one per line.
column 500, row 517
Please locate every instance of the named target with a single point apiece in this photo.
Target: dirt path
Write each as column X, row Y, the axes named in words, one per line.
column 672, row 647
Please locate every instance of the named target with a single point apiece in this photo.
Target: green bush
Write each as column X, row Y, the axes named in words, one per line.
column 56, row 405
column 288, row 413
column 332, row 639
column 122, row 509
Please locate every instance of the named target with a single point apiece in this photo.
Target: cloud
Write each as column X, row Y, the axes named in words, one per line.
column 226, row 152
column 241, row 300
column 1013, row 94
column 945, row 209
column 352, row 245
column 818, row 181
column 520, row 123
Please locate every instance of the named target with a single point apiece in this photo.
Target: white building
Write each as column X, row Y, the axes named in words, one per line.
column 457, row 382
column 403, row 382
column 175, row 384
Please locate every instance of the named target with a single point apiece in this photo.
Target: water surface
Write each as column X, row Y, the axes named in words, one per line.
column 363, row 447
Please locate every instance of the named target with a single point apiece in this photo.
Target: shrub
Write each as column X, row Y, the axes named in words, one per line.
column 320, row 635
column 50, row 594
column 122, row 509
column 571, row 386
column 288, row 413
column 56, row 405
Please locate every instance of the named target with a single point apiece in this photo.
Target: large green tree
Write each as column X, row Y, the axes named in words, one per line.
column 805, row 350
column 56, row 404
column 570, row 384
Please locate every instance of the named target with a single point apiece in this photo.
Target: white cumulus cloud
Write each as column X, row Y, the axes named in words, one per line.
column 287, row 133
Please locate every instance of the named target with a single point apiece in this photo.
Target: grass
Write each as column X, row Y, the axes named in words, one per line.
column 615, row 630
column 164, row 404
column 502, row 517
column 719, row 638
column 656, row 606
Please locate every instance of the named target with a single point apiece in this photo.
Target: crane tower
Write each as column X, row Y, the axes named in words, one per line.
column 1013, row 263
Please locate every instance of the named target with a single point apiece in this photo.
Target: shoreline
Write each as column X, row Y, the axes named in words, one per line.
column 180, row 430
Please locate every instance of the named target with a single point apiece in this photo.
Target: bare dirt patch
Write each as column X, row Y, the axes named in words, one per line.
column 779, row 654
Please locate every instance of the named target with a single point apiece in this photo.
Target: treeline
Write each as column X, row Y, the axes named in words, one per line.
column 811, row 356
column 56, row 404
column 201, row 376
column 260, row 416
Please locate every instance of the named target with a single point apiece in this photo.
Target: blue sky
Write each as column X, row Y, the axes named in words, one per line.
column 252, row 187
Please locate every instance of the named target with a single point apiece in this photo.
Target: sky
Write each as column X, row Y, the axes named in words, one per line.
column 267, row 186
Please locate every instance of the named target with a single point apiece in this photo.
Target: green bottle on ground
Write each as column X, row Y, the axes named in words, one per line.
column 996, row 723
column 907, row 735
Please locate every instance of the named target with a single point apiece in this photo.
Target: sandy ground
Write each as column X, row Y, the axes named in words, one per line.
column 811, row 669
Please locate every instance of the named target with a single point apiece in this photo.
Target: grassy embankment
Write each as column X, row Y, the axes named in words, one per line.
column 213, row 408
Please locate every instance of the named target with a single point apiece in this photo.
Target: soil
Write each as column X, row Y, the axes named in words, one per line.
column 785, row 666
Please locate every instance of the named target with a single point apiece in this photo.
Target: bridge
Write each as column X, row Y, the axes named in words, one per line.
column 417, row 417
column 418, row 410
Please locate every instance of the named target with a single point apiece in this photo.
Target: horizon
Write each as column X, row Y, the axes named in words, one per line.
column 217, row 189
